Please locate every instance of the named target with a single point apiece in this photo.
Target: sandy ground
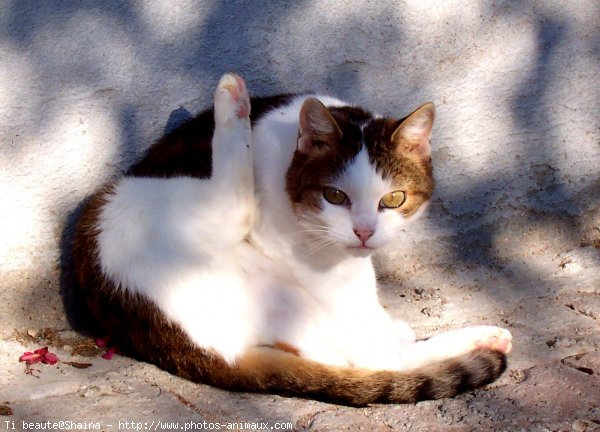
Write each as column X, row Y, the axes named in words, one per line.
column 512, row 236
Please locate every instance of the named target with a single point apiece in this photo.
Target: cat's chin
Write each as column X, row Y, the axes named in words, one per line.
column 360, row 251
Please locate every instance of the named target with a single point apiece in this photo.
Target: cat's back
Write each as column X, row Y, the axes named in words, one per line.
column 187, row 150
column 278, row 121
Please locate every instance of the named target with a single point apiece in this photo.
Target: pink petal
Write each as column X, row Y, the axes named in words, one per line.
column 50, row 358
column 34, row 360
column 39, row 355
column 108, row 355
column 30, row 358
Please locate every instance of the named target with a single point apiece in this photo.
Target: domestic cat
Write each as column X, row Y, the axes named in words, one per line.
column 238, row 255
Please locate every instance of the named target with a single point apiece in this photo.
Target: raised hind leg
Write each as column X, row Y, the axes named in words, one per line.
column 231, row 144
column 232, row 179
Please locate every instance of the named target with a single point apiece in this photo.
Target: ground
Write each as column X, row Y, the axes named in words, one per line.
column 551, row 384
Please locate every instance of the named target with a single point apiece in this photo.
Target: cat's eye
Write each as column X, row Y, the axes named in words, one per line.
column 393, row 200
column 335, row 196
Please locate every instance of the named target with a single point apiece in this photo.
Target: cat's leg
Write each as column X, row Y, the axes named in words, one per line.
column 378, row 342
column 219, row 289
column 454, row 343
column 231, row 201
column 231, row 144
column 460, row 341
column 382, row 352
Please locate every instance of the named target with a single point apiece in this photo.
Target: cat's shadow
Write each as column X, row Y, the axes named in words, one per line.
column 72, row 302
column 177, row 118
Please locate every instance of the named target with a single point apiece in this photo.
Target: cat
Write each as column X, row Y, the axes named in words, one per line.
column 237, row 254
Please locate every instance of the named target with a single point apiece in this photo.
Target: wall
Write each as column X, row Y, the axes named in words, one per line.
column 85, row 87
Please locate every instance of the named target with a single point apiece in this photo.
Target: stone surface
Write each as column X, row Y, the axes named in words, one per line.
column 512, row 236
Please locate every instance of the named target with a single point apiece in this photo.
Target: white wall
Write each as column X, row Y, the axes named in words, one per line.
column 86, row 86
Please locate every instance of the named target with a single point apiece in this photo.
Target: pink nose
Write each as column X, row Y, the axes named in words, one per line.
column 363, row 234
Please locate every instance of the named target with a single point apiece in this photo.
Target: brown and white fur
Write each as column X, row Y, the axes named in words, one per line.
column 240, row 256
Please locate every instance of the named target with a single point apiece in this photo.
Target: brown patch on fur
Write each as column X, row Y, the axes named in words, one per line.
column 283, row 346
column 322, row 155
column 407, row 171
column 268, row 370
column 313, row 167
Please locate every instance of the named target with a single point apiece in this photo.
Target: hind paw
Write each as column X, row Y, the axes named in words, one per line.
column 494, row 338
column 232, row 103
column 458, row 342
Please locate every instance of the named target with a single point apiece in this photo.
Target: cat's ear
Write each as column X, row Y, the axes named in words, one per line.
column 318, row 128
column 414, row 133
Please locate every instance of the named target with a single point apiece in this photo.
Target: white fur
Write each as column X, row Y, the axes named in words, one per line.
column 228, row 260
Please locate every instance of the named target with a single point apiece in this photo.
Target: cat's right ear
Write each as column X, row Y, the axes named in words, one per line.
column 318, row 128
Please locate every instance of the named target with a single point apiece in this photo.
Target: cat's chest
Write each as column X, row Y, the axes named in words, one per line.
column 307, row 309
column 284, row 283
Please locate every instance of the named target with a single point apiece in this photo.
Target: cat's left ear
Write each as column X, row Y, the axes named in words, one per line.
column 414, row 133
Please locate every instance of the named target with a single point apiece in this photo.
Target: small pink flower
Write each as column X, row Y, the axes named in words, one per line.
column 110, row 350
column 30, row 358
column 108, row 355
column 50, row 358
column 39, row 355
column 102, row 342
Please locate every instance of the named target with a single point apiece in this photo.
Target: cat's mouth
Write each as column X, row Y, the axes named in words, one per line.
column 361, row 250
column 362, row 246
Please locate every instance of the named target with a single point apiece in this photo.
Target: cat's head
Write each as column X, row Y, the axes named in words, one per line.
column 355, row 178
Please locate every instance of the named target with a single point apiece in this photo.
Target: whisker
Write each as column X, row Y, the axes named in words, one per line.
column 315, row 250
column 318, row 242
column 317, row 237
column 313, row 224
column 317, row 246
column 317, row 227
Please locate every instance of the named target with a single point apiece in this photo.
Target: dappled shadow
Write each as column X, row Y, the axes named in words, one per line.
column 539, row 192
column 227, row 38
column 222, row 43
column 534, row 188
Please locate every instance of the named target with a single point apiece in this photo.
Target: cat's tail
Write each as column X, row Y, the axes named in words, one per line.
column 269, row 370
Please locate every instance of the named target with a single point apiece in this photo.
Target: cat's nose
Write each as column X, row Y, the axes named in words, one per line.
column 363, row 234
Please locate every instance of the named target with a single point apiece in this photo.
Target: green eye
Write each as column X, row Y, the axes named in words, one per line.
column 335, row 196
column 393, row 200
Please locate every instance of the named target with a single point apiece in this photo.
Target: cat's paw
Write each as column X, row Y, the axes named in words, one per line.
column 494, row 338
column 458, row 342
column 491, row 337
column 232, row 103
